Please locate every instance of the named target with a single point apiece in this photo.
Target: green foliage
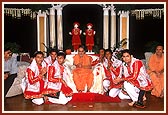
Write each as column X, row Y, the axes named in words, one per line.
column 48, row 49
column 15, row 48
column 122, row 43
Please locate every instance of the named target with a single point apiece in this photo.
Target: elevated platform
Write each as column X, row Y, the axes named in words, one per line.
column 86, row 52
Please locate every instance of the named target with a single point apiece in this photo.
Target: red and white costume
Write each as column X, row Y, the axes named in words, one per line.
column 76, row 32
column 136, row 78
column 34, row 84
column 99, row 75
column 52, row 87
column 90, row 33
column 68, row 77
column 112, row 73
column 55, row 84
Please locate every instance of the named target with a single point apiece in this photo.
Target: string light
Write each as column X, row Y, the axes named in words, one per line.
column 155, row 13
column 17, row 13
column 140, row 14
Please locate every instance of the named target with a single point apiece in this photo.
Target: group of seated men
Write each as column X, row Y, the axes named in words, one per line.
column 51, row 79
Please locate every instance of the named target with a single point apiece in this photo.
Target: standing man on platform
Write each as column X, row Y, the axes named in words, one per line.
column 89, row 37
column 76, row 32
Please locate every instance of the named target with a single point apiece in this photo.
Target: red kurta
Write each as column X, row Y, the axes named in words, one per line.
column 89, row 37
column 136, row 75
column 35, row 85
column 57, row 83
column 113, row 72
column 76, row 37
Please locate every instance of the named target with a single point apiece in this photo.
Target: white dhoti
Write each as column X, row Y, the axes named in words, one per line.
column 106, row 84
column 62, row 99
column 121, row 95
column 38, row 101
column 99, row 75
column 132, row 91
column 114, row 92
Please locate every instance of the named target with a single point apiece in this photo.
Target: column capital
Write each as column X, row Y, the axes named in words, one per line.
column 52, row 11
column 41, row 13
column 106, row 9
column 59, row 9
column 123, row 13
column 112, row 8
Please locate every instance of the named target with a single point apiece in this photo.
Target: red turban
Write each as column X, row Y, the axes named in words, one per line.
column 90, row 24
column 76, row 23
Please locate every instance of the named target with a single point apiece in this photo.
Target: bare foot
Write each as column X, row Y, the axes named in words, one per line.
column 80, row 91
column 144, row 98
column 45, row 98
column 131, row 103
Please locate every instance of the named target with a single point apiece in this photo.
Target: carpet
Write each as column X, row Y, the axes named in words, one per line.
column 93, row 97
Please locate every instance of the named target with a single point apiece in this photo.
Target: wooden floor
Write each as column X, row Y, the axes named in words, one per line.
column 19, row 104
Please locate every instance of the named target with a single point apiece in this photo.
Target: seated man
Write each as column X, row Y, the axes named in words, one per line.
column 57, row 90
column 113, row 69
column 10, row 70
column 101, row 57
column 156, row 71
column 136, row 80
column 35, row 79
column 98, row 72
column 52, row 58
column 82, row 74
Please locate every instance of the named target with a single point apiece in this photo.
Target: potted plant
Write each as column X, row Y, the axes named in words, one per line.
column 48, row 49
column 14, row 47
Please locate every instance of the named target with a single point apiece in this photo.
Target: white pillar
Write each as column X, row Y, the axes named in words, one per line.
column 52, row 28
column 113, row 27
column 41, row 31
column 124, row 27
column 105, row 28
column 127, row 29
column 59, row 27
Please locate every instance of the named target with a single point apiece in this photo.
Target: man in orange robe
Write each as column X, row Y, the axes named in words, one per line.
column 156, row 71
column 82, row 74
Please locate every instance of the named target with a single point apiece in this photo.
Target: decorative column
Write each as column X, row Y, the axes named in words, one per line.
column 59, row 27
column 124, row 27
column 52, row 28
column 41, row 31
column 113, row 27
column 105, row 27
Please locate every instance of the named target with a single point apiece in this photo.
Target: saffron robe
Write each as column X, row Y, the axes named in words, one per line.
column 83, row 76
column 157, row 65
